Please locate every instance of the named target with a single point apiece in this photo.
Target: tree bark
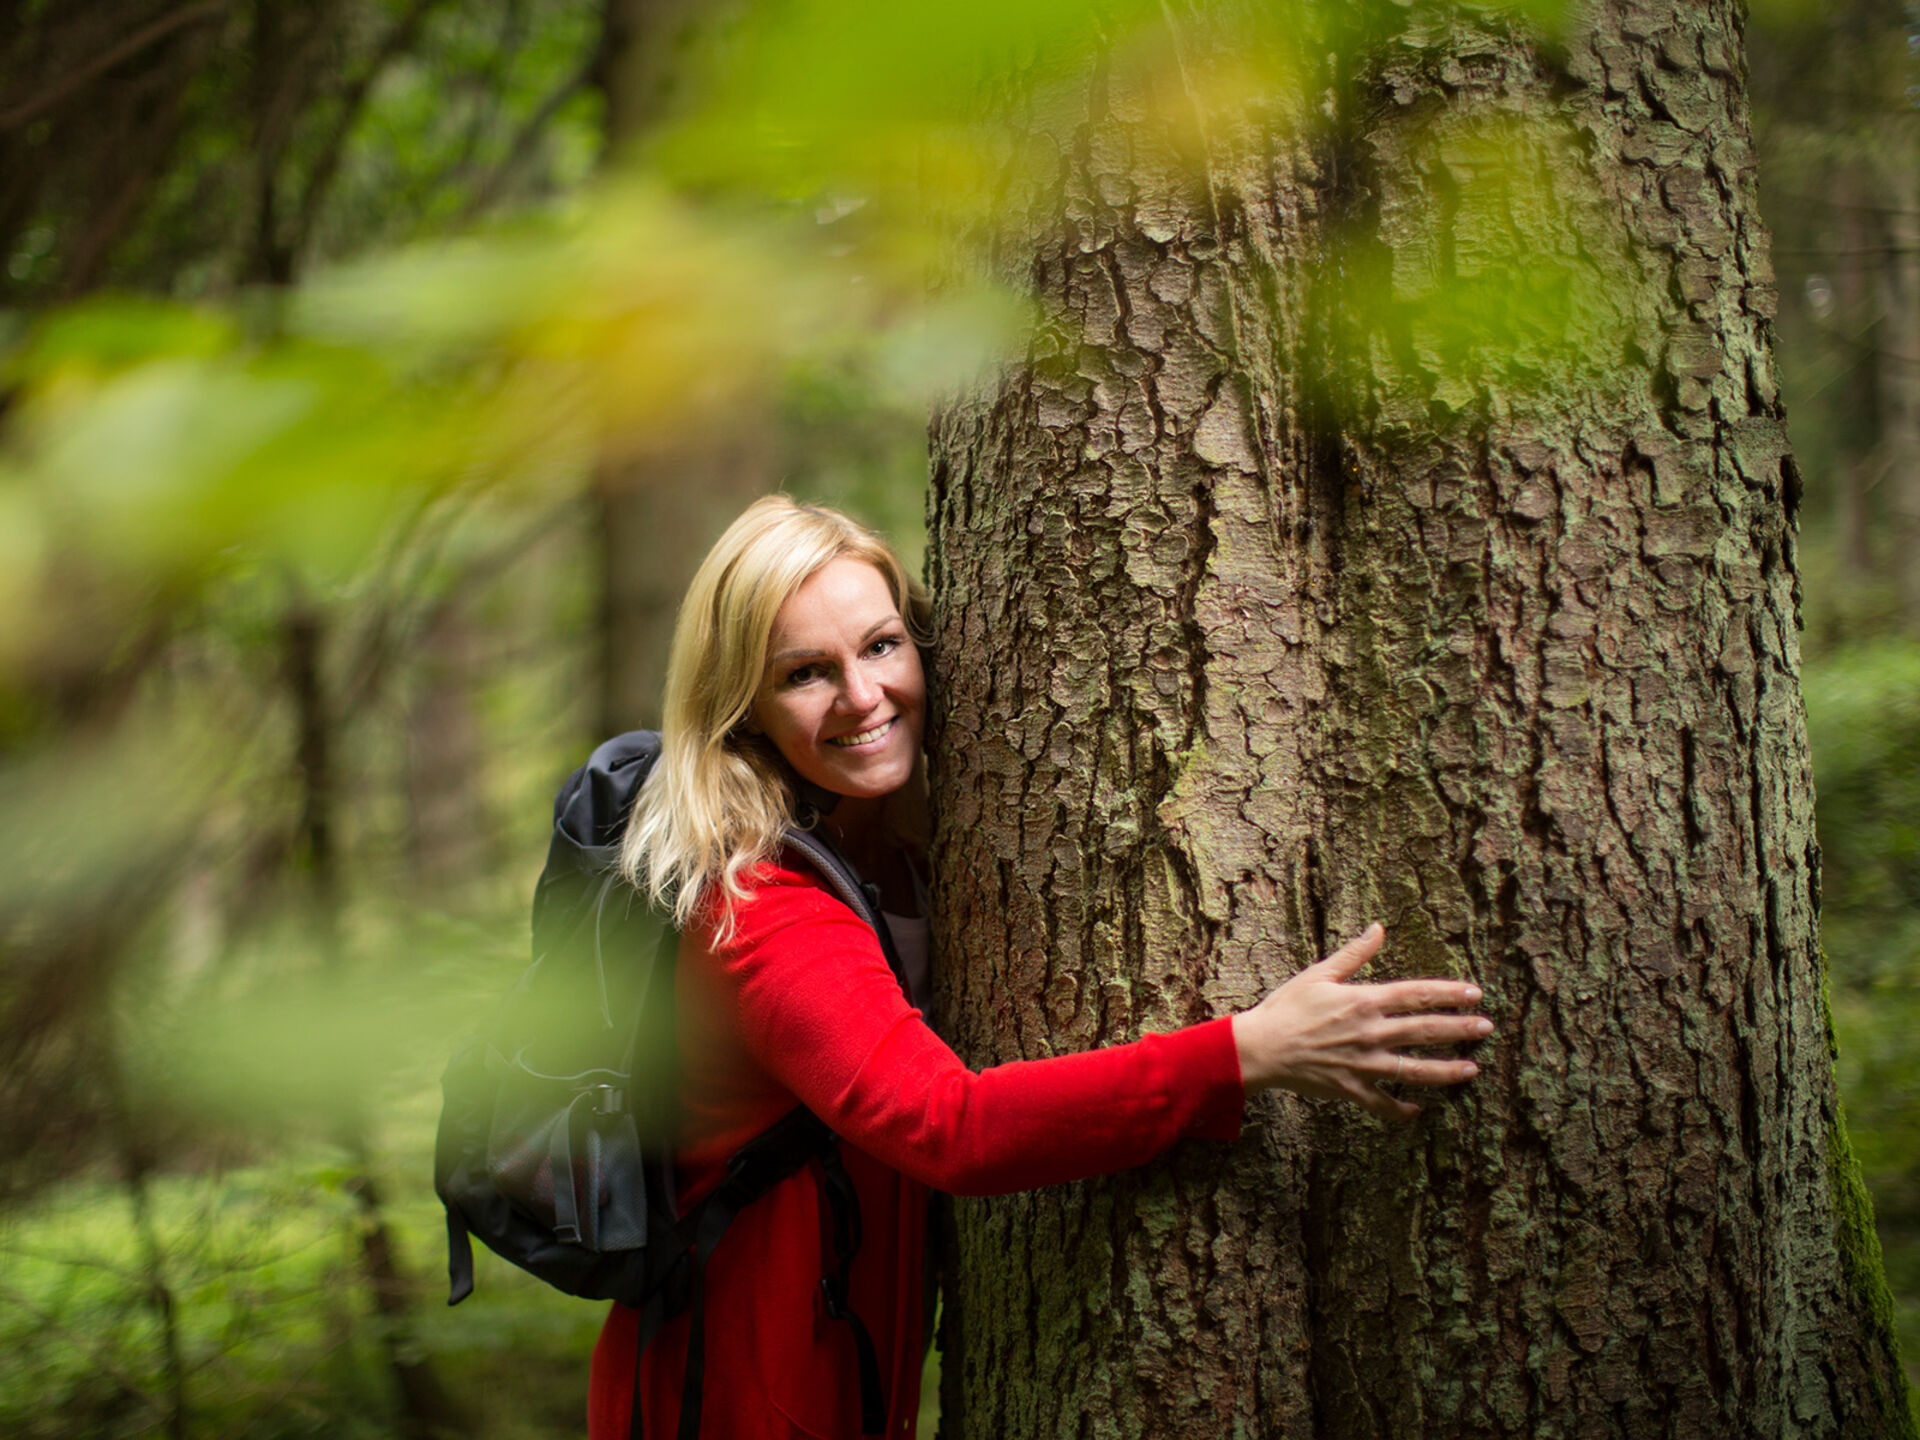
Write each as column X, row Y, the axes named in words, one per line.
column 1279, row 591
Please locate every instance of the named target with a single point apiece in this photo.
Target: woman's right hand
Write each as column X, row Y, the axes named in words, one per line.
column 1321, row 1036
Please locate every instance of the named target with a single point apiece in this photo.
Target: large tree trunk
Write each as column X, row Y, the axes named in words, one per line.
column 1272, row 602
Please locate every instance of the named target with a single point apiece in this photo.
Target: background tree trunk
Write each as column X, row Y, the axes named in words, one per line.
column 659, row 512
column 1897, row 351
column 427, row 1410
column 450, row 839
column 1493, row 640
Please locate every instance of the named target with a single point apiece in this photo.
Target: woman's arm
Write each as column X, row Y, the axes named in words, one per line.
column 815, row 1005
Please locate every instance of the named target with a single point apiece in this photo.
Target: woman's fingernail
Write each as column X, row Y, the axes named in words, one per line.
column 1473, row 994
column 1484, row 1027
column 1472, row 1070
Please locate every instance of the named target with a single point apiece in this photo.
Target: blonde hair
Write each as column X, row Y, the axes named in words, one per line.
column 719, row 797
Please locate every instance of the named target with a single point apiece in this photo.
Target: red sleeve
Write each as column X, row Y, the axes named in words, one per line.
column 818, row 1008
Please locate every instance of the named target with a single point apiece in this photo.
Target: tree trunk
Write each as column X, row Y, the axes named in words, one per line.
column 658, row 514
column 449, row 837
column 1860, row 462
column 1283, row 591
column 427, row 1410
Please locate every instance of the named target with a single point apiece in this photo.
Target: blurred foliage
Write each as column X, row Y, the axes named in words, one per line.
column 1490, row 299
column 1863, row 707
column 273, row 1338
column 1833, row 88
column 316, row 327
column 187, row 147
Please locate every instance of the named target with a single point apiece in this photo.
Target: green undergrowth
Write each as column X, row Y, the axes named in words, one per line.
column 276, row 1333
column 274, row 1329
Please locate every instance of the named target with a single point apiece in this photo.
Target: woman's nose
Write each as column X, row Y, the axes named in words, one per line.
column 859, row 693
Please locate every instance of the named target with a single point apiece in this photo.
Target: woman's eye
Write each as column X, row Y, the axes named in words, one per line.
column 885, row 645
column 803, row 674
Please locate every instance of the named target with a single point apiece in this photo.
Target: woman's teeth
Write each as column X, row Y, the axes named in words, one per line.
column 864, row 736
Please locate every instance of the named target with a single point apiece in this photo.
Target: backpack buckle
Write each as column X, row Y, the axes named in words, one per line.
column 834, row 1289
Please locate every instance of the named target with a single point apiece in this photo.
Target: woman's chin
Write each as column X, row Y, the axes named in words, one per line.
column 865, row 782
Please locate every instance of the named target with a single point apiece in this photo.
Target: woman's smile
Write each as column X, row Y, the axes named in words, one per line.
column 865, row 737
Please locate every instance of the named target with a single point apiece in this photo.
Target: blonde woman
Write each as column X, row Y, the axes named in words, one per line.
column 796, row 693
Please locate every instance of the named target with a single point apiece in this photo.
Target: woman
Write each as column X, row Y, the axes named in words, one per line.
column 795, row 671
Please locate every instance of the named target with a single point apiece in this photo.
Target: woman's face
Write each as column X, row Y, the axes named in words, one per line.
column 843, row 697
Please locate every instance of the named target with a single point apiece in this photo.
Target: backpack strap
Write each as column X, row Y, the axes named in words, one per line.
column 759, row 1165
column 459, row 1258
column 756, row 1168
column 836, row 1187
column 844, row 881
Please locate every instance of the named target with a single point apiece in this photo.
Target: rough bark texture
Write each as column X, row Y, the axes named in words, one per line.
column 1490, row 637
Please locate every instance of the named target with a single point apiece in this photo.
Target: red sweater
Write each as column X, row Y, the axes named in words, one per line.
column 800, row 1007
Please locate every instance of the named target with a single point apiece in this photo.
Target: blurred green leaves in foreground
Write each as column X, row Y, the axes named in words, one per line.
column 154, row 445
column 245, row 542
column 839, row 193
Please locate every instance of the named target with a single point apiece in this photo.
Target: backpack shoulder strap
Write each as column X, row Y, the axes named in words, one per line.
column 788, row 1145
column 844, row 881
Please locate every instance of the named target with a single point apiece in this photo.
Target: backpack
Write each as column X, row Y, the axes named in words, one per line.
column 555, row 1138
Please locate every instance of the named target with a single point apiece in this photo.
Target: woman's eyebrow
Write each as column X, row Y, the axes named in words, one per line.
column 781, row 657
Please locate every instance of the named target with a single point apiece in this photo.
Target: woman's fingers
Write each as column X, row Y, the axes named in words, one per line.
column 1403, row 1031
column 1396, row 997
column 1419, row 1070
column 1409, row 1070
column 1376, row 1101
column 1345, row 963
column 1322, row 1036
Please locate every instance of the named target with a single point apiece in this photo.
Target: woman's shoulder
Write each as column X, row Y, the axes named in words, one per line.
column 779, row 892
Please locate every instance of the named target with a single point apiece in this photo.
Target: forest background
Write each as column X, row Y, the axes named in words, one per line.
column 373, row 369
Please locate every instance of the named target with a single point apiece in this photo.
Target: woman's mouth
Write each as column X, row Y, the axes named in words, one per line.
column 865, row 737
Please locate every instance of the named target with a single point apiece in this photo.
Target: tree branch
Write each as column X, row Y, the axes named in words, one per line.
column 109, row 222
column 352, row 103
column 95, row 1351
column 31, row 109
column 489, row 189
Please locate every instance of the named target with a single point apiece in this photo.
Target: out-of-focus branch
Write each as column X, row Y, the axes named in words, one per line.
column 30, row 109
column 95, row 1352
column 490, row 188
column 326, row 166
